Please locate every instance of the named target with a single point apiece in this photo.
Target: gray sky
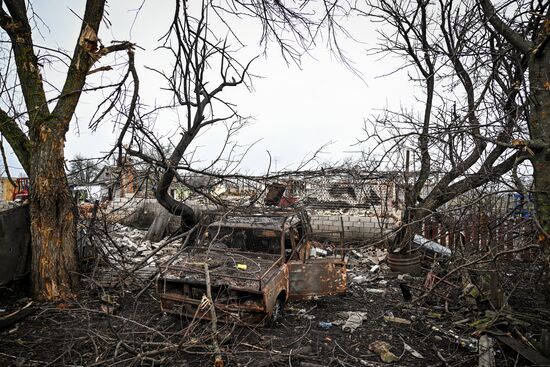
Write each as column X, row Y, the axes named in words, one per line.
column 296, row 110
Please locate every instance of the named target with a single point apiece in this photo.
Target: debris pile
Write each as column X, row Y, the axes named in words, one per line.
column 125, row 254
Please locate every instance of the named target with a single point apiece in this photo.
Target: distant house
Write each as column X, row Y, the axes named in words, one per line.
column 90, row 192
column 126, row 181
column 6, row 189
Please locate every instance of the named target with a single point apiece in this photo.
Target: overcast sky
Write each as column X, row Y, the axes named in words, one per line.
column 296, row 109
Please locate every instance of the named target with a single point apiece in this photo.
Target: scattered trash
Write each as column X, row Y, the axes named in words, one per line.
column 359, row 279
column 318, row 252
column 397, row 320
column 374, row 290
column 469, row 343
column 486, row 352
column 404, row 277
column 353, row 321
column 376, row 256
column 412, row 351
column 431, row 245
column 325, row 325
column 383, row 350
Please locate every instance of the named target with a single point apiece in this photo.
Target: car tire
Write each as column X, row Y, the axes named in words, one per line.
column 277, row 313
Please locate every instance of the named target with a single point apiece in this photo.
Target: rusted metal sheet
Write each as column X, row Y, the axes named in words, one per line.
column 316, row 277
column 15, row 243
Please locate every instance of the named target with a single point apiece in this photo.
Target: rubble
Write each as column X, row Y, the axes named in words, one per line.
column 126, row 251
column 381, row 308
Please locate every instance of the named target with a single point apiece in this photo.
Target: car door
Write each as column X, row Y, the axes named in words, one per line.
column 316, row 277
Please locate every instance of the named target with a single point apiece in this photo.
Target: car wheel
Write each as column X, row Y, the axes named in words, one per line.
column 277, row 313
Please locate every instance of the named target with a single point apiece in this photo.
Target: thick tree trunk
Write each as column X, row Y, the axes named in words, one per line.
column 411, row 220
column 53, row 218
column 539, row 79
column 157, row 230
column 187, row 214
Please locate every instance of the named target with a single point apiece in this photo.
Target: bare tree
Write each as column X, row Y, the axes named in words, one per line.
column 82, row 170
column 527, row 34
column 203, row 68
column 36, row 131
column 475, row 102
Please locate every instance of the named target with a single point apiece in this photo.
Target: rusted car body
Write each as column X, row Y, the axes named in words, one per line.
column 256, row 263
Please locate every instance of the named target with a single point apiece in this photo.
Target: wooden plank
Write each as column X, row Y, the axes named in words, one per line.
column 530, row 354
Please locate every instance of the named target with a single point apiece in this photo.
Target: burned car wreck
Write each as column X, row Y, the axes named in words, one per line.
column 255, row 264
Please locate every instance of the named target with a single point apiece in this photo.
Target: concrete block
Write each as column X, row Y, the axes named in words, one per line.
column 369, row 225
column 335, row 223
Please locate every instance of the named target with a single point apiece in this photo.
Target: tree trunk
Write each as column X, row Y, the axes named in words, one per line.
column 411, row 220
column 53, row 218
column 188, row 216
column 157, row 230
column 539, row 80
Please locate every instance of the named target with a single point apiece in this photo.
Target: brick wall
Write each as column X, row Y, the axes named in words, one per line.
column 355, row 226
column 360, row 225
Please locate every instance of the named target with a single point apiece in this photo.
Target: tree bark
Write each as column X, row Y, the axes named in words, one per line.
column 53, row 217
column 187, row 214
column 539, row 80
column 157, row 230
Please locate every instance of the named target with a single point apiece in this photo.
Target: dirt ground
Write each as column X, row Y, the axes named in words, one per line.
column 119, row 327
